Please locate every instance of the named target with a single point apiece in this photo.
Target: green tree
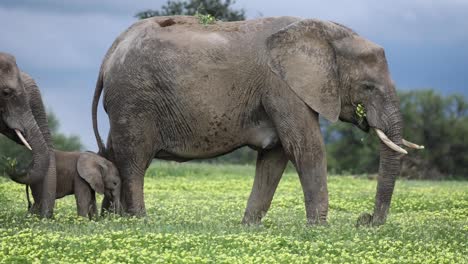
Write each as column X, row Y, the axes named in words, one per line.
column 441, row 124
column 9, row 149
column 219, row 9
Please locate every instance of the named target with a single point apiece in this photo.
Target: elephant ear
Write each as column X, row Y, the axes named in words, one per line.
column 302, row 55
column 91, row 168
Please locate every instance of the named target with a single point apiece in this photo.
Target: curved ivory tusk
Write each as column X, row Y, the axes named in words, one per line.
column 411, row 144
column 388, row 142
column 18, row 133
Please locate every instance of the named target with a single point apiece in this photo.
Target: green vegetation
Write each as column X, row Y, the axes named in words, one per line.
column 360, row 112
column 217, row 9
column 205, row 19
column 194, row 213
column 440, row 123
column 10, row 151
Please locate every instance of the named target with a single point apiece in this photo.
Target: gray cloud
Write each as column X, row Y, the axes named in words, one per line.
column 114, row 7
column 50, row 40
column 398, row 20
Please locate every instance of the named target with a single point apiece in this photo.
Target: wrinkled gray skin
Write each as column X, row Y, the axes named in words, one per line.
column 178, row 90
column 82, row 174
column 21, row 108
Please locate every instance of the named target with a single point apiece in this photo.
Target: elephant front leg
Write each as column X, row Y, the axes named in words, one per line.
column 307, row 152
column 36, row 191
column 269, row 169
column 85, row 198
column 105, row 206
column 312, row 174
column 49, row 186
column 299, row 131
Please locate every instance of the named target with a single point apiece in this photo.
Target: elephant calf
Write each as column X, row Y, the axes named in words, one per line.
column 82, row 174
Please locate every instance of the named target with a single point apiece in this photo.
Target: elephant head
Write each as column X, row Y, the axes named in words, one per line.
column 23, row 119
column 341, row 75
column 102, row 176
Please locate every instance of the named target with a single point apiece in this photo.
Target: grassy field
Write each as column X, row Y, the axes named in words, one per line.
column 194, row 213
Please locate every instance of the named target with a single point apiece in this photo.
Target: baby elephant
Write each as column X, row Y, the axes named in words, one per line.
column 82, row 174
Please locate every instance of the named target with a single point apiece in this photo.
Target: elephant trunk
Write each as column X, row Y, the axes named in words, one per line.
column 43, row 169
column 389, row 169
column 40, row 154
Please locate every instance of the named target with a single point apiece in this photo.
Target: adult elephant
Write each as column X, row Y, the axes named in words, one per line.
column 23, row 120
column 176, row 89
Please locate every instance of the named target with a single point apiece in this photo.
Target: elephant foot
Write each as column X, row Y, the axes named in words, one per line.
column 108, row 208
column 35, row 209
column 135, row 212
column 252, row 219
column 112, row 213
column 40, row 212
column 366, row 219
column 46, row 209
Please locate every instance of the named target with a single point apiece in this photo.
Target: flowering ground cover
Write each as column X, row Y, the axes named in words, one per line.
column 194, row 213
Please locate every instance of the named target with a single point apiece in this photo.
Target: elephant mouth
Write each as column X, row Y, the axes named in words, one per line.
column 364, row 125
column 16, row 134
column 20, row 136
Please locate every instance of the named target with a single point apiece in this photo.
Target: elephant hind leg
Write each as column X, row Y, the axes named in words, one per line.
column 270, row 167
column 132, row 154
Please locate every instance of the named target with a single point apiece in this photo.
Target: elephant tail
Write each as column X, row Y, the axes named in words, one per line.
column 97, row 95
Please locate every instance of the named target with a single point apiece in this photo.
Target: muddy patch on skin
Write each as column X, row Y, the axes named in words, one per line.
column 166, row 23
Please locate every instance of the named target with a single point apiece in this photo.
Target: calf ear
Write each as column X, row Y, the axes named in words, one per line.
column 302, row 55
column 91, row 168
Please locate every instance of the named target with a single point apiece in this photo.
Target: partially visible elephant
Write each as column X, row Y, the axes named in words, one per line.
column 23, row 120
column 82, row 174
column 176, row 89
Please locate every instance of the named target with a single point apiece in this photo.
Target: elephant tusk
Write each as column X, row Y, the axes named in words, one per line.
column 21, row 137
column 411, row 144
column 389, row 143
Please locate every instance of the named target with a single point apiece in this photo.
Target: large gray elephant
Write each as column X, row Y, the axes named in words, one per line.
column 23, row 120
column 176, row 89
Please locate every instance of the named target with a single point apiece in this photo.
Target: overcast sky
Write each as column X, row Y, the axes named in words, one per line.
column 62, row 43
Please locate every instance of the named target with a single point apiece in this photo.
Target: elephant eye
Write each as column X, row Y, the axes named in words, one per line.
column 368, row 87
column 7, row 92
